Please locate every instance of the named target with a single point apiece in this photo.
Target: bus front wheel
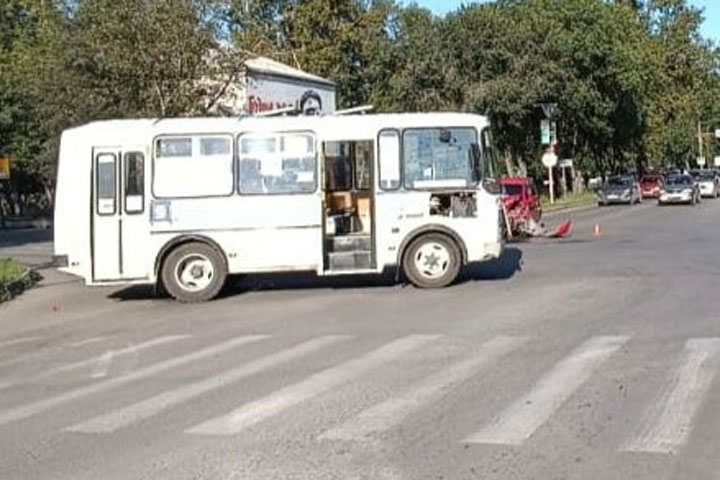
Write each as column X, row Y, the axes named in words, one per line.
column 194, row 272
column 432, row 261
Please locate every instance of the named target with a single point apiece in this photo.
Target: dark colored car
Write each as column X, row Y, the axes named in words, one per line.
column 650, row 185
column 680, row 189
column 619, row 189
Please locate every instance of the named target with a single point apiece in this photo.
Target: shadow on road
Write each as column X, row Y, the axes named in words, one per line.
column 501, row 269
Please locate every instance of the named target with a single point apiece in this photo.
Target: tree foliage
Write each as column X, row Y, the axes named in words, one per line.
column 631, row 78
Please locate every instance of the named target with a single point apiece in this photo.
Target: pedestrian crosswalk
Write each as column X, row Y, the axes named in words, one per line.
column 154, row 405
column 40, row 406
column 669, row 420
column 386, row 415
column 528, row 413
column 259, row 410
column 665, row 426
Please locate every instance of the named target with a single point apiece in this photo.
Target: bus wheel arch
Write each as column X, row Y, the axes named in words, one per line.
column 445, row 251
column 196, row 255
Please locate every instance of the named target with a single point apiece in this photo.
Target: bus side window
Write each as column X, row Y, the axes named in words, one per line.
column 106, row 183
column 389, row 152
column 279, row 163
column 193, row 166
column 134, row 183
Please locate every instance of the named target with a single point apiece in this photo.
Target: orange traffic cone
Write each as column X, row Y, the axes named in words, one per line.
column 597, row 231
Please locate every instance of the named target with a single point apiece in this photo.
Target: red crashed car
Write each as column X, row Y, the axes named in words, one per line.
column 522, row 203
column 651, row 185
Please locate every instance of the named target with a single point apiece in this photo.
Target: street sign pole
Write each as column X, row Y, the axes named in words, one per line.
column 548, row 137
column 550, row 159
column 552, row 185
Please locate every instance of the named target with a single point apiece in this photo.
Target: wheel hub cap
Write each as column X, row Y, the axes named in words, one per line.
column 432, row 260
column 194, row 273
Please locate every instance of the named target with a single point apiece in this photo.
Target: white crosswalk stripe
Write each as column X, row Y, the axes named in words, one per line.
column 317, row 384
column 18, row 341
column 668, row 422
column 392, row 412
column 88, row 341
column 34, row 408
column 521, row 419
column 159, row 403
column 103, row 361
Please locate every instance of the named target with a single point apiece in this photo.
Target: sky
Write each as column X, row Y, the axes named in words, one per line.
column 711, row 27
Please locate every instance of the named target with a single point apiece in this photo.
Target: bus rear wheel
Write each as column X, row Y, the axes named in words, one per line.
column 194, row 272
column 432, row 261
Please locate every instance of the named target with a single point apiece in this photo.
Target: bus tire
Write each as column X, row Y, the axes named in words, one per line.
column 432, row 260
column 194, row 272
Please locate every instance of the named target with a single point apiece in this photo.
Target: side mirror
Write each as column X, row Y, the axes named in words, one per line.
column 492, row 186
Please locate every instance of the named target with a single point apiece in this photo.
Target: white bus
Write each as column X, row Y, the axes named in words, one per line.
column 182, row 203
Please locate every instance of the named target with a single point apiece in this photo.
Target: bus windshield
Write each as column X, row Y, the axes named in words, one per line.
column 439, row 158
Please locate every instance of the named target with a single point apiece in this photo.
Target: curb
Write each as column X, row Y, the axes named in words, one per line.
column 563, row 211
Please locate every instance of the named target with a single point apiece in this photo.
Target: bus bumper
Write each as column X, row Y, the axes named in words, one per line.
column 60, row 261
column 494, row 250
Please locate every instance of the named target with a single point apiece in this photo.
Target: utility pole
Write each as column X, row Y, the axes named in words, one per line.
column 700, row 142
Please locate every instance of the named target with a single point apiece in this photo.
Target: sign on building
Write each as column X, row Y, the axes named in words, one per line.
column 269, row 92
column 4, row 168
column 266, row 85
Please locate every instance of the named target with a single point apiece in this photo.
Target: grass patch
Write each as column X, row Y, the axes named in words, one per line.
column 15, row 278
column 10, row 271
column 571, row 200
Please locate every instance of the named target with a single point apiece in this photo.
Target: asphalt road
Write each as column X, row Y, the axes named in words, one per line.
column 589, row 358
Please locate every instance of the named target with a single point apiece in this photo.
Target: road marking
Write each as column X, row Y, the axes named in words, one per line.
column 159, row 403
column 34, row 408
column 668, row 422
column 18, row 341
column 521, row 419
column 88, row 341
column 103, row 361
column 392, row 412
column 279, row 401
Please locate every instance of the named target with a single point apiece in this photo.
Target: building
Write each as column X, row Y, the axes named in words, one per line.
column 266, row 85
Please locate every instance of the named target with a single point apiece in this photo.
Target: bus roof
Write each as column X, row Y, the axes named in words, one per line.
column 339, row 126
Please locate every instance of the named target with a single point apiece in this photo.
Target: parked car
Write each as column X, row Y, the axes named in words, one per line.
column 708, row 181
column 680, row 189
column 522, row 203
column 650, row 185
column 619, row 189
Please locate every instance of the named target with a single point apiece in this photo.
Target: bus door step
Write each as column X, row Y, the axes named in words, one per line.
column 358, row 260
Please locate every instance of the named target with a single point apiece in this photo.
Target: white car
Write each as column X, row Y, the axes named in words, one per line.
column 680, row 189
column 708, row 182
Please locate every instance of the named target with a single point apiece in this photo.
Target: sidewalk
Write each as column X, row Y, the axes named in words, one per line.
column 21, row 224
column 32, row 247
